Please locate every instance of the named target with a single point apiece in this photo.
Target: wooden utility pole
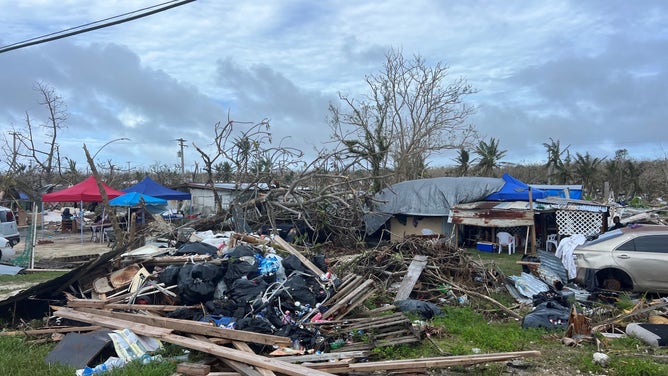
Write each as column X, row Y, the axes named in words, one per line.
column 533, row 223
column 180, row 154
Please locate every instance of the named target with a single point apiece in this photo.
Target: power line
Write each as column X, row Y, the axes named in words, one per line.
column 95, row 25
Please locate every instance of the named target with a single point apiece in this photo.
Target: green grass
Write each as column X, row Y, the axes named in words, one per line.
column 463, row 331
column 20, row 358
column 33, row 278
column 505, row 262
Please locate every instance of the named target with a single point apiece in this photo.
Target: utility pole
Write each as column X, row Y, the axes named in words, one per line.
column 180, row 154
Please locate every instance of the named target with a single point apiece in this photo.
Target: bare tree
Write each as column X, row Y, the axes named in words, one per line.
column 45, row 159
column 249, row 153
column 410, row 113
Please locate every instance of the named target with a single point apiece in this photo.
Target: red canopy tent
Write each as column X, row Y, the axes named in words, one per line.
column 86, row 191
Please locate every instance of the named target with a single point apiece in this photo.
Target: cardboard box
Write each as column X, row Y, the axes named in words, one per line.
column 487, row 247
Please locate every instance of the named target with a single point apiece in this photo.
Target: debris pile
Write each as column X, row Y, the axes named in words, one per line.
column 258, row 304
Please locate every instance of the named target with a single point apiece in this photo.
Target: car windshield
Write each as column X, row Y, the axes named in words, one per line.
column 605, row 236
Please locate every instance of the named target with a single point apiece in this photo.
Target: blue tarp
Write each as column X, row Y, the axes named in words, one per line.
column 151, row 188
column 515, row 190
column 135, row 198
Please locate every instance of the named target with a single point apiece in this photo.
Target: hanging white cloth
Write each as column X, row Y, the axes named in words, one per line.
column 565, row 252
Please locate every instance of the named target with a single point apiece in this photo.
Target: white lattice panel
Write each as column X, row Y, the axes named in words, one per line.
column 572, row 222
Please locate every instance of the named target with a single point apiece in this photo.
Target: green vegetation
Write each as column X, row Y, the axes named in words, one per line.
column 19, row 357
column 7, row 282
column 463, row 331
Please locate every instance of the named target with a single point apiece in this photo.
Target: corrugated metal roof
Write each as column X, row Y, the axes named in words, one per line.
column 572, row 204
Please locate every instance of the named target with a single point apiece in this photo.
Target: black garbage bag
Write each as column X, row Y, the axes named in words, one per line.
column 321, row 262
column 426, row 310
column 305, row 337
column 197, row 282
column 186, row 314
column 223, row 307
column 297, row 288
column 548, row 315
column 255, row 325
column 291, row 263
column 245, row 293
column 207, row 271
column 170, row 275
column 197, row 248
column 243, row 262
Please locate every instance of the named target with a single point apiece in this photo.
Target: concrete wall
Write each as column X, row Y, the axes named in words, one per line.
column 417, row 226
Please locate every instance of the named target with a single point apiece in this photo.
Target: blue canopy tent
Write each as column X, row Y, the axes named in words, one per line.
column 515, row 190
column 132, row 199
column 151, row 188
column 135, row 198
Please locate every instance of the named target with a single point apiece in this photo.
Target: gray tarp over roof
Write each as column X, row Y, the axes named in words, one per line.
column 428, row 197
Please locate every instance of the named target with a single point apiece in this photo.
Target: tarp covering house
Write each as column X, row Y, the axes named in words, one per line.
column 423, row 205
column 86, row 191
column 515, row 190
column 149, row 187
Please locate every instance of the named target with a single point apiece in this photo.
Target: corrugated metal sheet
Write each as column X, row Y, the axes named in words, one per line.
column 574, row 205
column 492, row 214
column 528, row 285
column 553, row 263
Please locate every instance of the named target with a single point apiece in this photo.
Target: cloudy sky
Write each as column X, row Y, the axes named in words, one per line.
column 591, row 74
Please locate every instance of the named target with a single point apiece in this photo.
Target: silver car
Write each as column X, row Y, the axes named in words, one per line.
column 633, row 258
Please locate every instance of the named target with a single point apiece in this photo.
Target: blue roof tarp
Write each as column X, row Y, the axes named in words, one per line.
column 134, row 198
column 515, row 190
column 151, row 188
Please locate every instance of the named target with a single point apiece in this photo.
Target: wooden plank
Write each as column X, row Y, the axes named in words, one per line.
column 242, row 368
column 438, row 362
column 345, row 288
column 60, row 329
column 195, row 327
column 325, row 357
column 279, row 242
column 334, row 310
column 412, row 274
column 355, row 304
column 110, row 322
column 193, row 369
column 193, row 344
column 104, row 304
column 243, row 346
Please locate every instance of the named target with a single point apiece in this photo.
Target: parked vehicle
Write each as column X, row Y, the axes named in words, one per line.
column 8, row 228
column 6, row 251
column 633, row 258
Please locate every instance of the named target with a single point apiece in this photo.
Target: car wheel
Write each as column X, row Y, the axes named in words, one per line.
column 614, row 280
column 611, row 284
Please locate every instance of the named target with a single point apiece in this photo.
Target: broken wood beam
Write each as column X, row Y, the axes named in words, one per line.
column 279, row 242
column 243, row 346
column 104, row 304
column 195, row 327
column 439, row 362
column 193, row 369
column 59, row 329
column 334, row 311
column 242, row 368
column 326, row 357
column 411, row 277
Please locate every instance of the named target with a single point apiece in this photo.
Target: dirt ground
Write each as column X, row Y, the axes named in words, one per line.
column 52, row 244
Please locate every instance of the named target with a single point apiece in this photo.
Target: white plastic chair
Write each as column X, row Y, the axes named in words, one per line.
column 506, row 240
column 551, row 239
